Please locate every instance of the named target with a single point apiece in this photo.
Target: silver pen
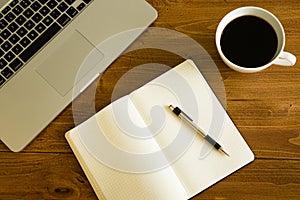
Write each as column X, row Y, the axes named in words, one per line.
column 177, row 111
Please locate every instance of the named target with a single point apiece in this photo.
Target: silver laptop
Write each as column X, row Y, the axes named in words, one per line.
column 44, row 44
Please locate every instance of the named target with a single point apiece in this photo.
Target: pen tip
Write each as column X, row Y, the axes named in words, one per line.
column 223, row 151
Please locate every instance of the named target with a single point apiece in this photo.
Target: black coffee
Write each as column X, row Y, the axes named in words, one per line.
column 249, row 41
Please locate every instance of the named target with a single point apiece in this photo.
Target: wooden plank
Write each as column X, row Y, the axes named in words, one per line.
column 59, row 176
column 42, row 176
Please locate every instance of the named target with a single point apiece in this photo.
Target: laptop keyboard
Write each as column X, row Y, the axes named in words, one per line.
column 27, row 25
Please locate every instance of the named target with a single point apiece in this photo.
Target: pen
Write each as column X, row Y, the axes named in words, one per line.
column 177, row 111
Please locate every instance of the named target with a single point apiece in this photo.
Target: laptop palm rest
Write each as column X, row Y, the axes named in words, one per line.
column 64, row 65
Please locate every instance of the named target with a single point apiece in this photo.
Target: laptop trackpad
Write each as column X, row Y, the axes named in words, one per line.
column 64, row 66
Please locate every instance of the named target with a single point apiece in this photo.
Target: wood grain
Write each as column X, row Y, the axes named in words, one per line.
column 265, row 107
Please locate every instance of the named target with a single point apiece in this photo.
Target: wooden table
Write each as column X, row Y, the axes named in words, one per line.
column 265, row 107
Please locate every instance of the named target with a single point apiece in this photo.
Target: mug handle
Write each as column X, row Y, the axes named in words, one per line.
column 285, row 59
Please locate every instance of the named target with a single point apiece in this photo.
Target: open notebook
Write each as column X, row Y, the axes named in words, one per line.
column 135, row 148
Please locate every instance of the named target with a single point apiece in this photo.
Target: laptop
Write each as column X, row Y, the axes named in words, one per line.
column 44, row 44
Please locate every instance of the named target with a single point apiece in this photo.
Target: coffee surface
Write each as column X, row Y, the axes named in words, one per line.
column 249, row 41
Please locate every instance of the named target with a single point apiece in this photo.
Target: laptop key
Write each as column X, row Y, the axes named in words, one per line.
column 21, row 20
column 7, row 73
column 10, row 16
column 63, row 20
column 3, row 23
column 40, row 42
column 29, row 24
column 3, row 63
column 44, row 10
column 51, row 4
column 40, row 27
column 70, row 1
column 5, row 34
column 63, row 6
column 5, row 10
column 6, row 46
column 80, row 6
column 17, row 10
column 21, row 32
column 16, row 64
column 55, row 13
column 25, row 42
column 32, row 34
column 37, row 18
column 9, row 56
column 13, row 27
column 13, row 3
column 17, row 49
column 28, row 13
column 48, row 20
column 25, row 3
column 72, row 11
column 14, row 39
column 36, row 6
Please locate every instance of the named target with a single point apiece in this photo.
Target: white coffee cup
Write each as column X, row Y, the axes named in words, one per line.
column 280, row 58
